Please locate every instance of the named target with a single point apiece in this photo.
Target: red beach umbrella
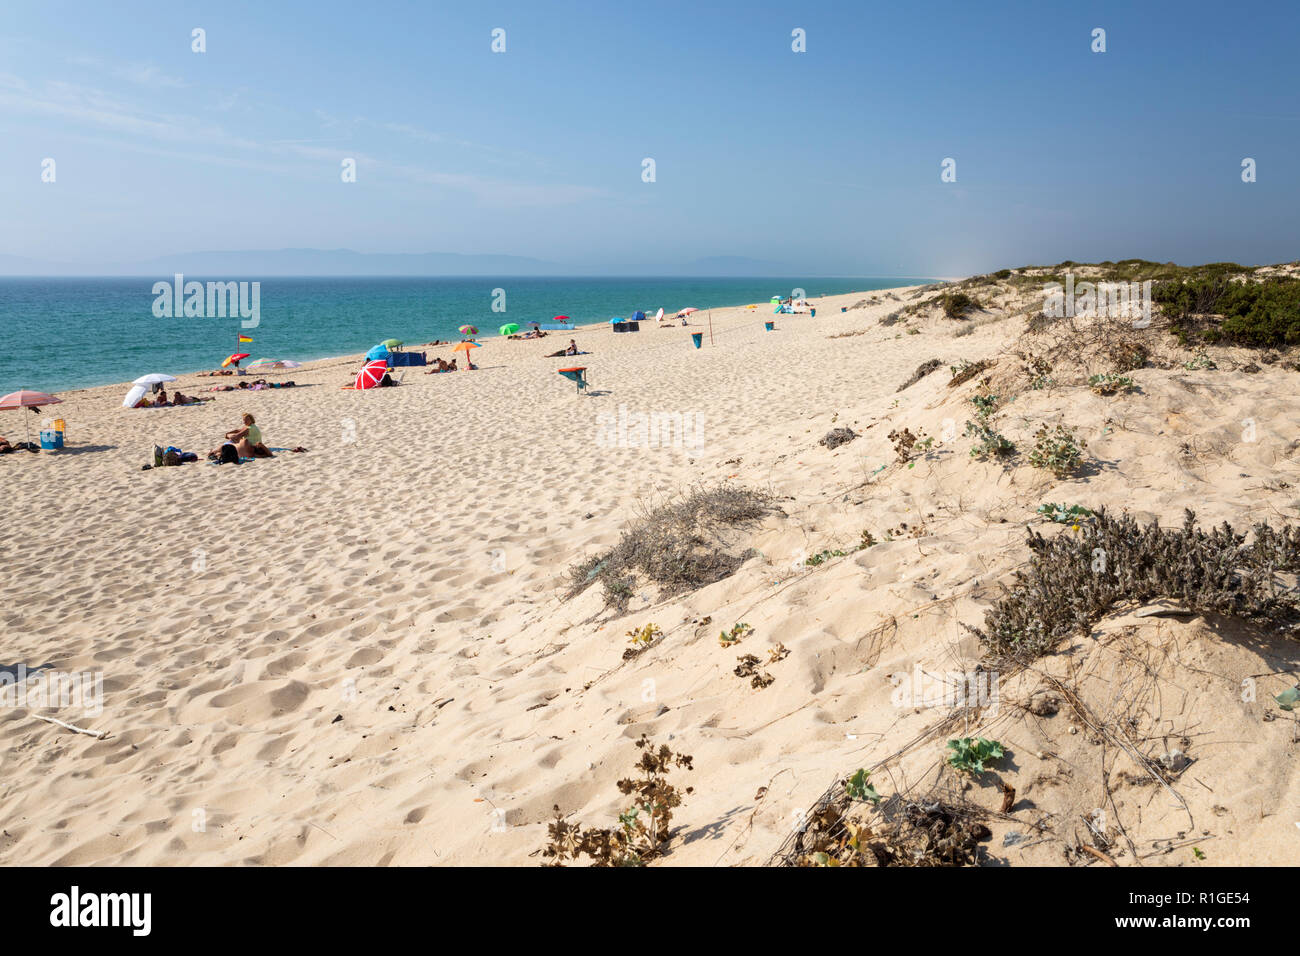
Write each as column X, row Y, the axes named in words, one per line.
column 234, row 359
column 371, row 375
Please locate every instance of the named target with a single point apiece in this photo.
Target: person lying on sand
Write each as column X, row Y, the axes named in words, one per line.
column 571, row 350
column 247, row 441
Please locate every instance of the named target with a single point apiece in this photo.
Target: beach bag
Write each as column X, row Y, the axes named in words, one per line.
column 229, row 455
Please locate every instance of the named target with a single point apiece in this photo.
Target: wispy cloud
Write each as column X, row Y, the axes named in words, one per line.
column 207, row 141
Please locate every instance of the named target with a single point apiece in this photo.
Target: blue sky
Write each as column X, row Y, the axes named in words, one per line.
column 826, row 161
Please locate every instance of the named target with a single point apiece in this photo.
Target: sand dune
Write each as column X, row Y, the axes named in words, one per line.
column 363, row 655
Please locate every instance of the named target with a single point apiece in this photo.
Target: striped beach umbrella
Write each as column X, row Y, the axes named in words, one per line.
column 468, row 330
column 371, row 374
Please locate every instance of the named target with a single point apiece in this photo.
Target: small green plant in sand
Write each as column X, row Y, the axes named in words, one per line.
column 737, row 633
column 643, row 829
column 969, row 754
column 1109, row 384
column 858, row 787
column 1288, row 698
column 1064, row 514
column 1199, row 361
column 989, row 442
column 822, row 557
column 641, row 639
column 1057, row 450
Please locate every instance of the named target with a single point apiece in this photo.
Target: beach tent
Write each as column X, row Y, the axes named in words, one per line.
column 372, row 374
column 380, row 351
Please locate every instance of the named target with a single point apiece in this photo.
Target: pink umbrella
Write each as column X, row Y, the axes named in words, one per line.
column 26, row 399
column 372, row 374
column 688, row 311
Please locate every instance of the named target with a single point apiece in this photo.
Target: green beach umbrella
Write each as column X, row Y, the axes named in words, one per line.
column 392, row 343
column 510, row 328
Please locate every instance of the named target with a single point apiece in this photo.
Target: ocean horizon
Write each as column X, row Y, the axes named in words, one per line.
column 63, row 333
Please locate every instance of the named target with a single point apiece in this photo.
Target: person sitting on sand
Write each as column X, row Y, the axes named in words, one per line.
column 247, row 441
column 5, row 447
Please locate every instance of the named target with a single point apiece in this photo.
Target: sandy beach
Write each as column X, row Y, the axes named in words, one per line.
column 364, row 654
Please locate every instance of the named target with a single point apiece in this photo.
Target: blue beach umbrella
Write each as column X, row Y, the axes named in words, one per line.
column 378, row 352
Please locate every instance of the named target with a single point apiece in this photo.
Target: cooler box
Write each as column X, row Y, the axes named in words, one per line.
column 50, row 439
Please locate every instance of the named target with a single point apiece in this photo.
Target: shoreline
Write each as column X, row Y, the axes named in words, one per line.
column 320, row 362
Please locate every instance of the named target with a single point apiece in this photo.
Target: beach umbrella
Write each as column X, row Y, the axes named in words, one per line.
column 465, row 347
column 510, row 328
column 378, row 352
column 659, row 315
column 262, row 365
column 287, row 364
column 468, row 330
column 133, row 397
column 26, row 399
column 616, row 318
column 687, row 311
column 154, row 378
column 561, row 318
column 234, row 359
column 392, row 343
column 371, row 375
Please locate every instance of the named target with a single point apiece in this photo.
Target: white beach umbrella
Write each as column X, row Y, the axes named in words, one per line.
column 154, row 378
column 132, row 397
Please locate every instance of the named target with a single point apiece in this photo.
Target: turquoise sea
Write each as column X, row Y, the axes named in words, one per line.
column 64, row 333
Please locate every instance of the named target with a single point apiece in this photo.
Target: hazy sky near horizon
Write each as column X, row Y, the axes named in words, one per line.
column 825, row 161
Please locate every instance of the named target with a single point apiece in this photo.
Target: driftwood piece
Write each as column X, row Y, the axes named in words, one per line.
column 97, row 734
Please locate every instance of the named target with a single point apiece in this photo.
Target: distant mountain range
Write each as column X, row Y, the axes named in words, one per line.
column 346, row 262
